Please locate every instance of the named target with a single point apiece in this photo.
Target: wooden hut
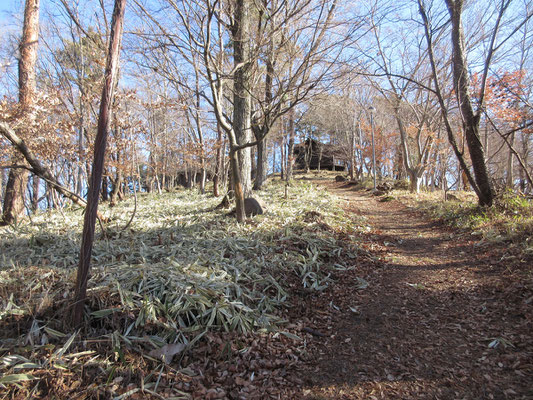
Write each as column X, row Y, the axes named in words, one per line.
column 319, row 156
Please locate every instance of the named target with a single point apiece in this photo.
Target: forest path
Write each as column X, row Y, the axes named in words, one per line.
column 440, row 319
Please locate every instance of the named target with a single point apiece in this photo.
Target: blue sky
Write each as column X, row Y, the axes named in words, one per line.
column 7, row 8
column 7, row 5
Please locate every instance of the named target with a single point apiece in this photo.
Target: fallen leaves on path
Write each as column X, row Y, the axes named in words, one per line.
column 442, row 317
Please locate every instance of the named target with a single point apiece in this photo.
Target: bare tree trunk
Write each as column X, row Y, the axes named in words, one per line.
column 158, row 183
column 93, row 195
column 188, row 176
column 253, row 158
column 105, row 185
column 35, row 189
column 203, row 177
column 523, row 170
column 199, row 130
column 237, row 186
column 115, row 192
column 486, row 140
column 510, row 158
column 261, row 132
column 400, row 165
column 224, row 166
column 79, row 184
column 242, row 100
column 290, row 148
column 283, row 157
column 2, row 178
column 163, row 180
column 470, row 118
column 262, row 164
column 15, row 193
column 352, row 156
column 18, row 177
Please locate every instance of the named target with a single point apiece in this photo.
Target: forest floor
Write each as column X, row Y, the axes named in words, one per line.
column 445, row 314
column 374, row 300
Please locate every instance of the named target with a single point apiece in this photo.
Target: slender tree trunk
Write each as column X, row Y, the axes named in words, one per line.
column 190, row 178
column 273, row 157
column 510, row 158
column 48, row 195
column 261, row 132
column 470, row 118
column 93, row 195
column 105, row 185
column 283, row 158
column 237, row 187
column 415, row 181
column 116, row 189
column 444, row 107
column 523, row 171
column 242, row 100
column 352, row 156
column 35, row 189
column 15, row 193
column 18, row 177
column 262, row 164
column 224, row 166
column 79, row 185
column 400, row 166
column 163, row 179
column 158, row 183
column 203, row 177
column 486, row 144
column 2, row 178
column 290, row 148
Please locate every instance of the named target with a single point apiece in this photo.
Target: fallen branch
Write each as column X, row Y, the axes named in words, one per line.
column 15, row 166
column 37, row 168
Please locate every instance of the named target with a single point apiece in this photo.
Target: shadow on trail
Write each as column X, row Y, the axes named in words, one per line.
column 441, row 318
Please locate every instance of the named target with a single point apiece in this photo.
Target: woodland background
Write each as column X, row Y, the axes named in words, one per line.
column 198, row 79
column 169, row 112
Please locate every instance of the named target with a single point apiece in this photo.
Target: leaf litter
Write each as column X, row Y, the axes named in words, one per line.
column 440, row 318
column 185, row 302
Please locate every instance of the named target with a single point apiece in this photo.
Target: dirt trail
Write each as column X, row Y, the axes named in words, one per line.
column 435, row 302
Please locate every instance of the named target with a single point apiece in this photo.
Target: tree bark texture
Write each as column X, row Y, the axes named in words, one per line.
column 261, row 132
column 35, row 189
column 290, row 149
column 509, row 177
column 237, row 187
column 262, row 164
column 93, row 195
column 18, row 177
column 242, row 100
column 219, row 168
column 470, row 117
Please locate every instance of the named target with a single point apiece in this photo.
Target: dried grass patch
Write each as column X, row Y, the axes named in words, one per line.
column 182, row 271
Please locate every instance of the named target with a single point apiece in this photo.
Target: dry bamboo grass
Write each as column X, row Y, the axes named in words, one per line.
column 182, row 269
